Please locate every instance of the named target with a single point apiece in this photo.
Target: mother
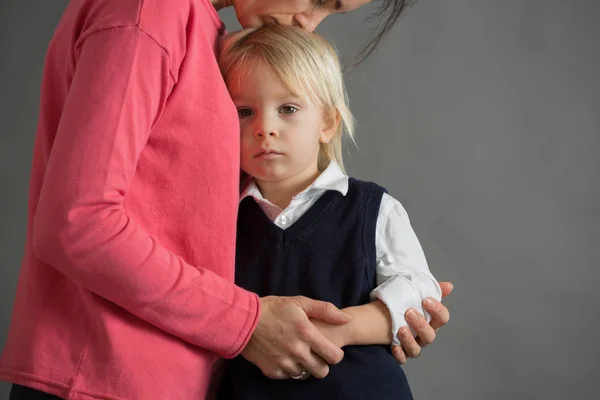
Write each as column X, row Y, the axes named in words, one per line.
column 125, row 290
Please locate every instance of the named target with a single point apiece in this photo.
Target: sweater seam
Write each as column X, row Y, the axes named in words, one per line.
column 34, row 381
column 135, row 26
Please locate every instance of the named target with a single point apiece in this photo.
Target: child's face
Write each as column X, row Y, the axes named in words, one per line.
column 280, row 133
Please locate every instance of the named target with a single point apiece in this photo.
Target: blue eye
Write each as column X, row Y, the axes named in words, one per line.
column 244, row 112
column 288, row 110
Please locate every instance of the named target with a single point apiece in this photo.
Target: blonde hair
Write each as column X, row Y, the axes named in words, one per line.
column 305, row 63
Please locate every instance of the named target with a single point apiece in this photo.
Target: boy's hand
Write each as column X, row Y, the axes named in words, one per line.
column 411, row 347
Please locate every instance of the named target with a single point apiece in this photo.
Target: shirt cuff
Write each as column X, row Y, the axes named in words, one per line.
column 398, row 294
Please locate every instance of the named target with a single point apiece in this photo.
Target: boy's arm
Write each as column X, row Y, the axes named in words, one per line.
column 403, row 280
column 371, row 324
column 403, row 277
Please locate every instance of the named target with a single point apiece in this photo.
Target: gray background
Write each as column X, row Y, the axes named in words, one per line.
column 483, row 118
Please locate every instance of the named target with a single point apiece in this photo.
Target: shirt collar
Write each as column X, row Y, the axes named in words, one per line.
column 332, row 178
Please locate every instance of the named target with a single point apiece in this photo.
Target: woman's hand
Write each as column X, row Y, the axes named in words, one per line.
column 371, row 324
column 285, row 340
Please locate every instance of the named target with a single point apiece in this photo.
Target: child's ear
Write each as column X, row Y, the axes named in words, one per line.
column 331, row 122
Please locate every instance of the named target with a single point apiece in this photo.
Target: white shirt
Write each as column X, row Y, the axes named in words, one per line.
column 403, row 277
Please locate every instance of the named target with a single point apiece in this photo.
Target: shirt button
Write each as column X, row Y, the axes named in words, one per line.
column 283, row 220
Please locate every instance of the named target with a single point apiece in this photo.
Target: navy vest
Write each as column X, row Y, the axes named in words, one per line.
column 327, row 254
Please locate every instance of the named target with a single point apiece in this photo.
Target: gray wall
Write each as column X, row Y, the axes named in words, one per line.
column 482, row 117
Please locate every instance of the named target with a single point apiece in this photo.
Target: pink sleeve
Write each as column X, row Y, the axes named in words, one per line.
column 118, row 90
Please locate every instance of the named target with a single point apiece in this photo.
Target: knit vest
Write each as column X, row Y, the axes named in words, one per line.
column 327, row 254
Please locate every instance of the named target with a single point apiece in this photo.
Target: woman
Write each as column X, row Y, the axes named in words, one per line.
column 126, row 288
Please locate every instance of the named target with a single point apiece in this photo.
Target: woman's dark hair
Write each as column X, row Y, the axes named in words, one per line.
column 393, row 9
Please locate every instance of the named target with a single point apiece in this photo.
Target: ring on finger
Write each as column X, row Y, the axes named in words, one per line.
column 303, row 375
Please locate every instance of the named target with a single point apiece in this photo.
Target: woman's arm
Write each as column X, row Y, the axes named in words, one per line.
column 119, row 87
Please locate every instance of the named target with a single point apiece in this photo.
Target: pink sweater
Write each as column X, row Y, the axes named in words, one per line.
column 125, row 290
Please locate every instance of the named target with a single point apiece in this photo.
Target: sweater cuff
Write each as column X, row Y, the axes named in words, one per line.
column 247, row 329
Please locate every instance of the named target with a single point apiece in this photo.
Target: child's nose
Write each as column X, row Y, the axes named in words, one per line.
column 262, row 133
column 265, row 127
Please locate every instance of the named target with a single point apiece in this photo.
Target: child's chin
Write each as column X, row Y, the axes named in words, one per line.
column 265, row 174
column 268, row 178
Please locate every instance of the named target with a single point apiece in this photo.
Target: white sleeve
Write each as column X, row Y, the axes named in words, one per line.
column 403, row 277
